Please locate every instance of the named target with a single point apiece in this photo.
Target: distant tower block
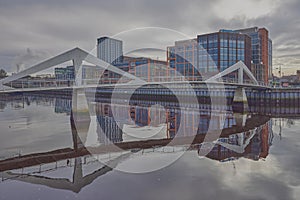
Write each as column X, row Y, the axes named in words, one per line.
column 110, row 50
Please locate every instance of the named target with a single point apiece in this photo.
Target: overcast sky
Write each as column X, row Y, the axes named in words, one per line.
column 40, row 28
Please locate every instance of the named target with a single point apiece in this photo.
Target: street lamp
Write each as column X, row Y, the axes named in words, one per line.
column 279, row 69
column 279, row 72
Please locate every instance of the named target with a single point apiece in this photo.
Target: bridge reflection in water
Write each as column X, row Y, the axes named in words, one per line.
column 249, row 136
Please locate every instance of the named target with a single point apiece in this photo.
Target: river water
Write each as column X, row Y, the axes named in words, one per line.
column 144, row 151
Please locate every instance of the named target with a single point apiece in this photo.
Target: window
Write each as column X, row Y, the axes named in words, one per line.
column 223, row 42
column 241, row 44
column 232, row 43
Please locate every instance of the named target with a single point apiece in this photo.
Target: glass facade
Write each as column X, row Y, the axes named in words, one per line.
column 182, row 58
column 258, row 72
column 256, row 48
column 110, row 50
column 209, row 53
column 67, row 73
column 270, row 57
column 218, row 51
column 261, row 52
column 145, row 68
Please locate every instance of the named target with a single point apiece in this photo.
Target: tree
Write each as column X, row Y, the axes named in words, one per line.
column 3, row 73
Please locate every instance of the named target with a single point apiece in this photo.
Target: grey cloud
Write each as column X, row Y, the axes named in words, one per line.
column 56, row 26
column 283, row 24
column 28, row 58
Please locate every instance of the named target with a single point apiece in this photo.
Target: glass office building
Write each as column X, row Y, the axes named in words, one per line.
column 218, row 51
column 182, row 59
column 147, row 69
column 261, row 53
column 110, row 50
column 208, row 54
column 67, row 73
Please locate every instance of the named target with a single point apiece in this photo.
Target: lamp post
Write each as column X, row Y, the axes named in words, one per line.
column 279, row 68
column 279, row 72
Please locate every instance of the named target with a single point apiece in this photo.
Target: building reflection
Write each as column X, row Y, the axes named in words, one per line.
column 78, row 180
column 63, row 105
column 117, row 120
column 254, row 144
column 2, row 105
column 248, row 136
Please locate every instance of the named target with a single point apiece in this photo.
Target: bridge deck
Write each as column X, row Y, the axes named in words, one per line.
column 175, row 84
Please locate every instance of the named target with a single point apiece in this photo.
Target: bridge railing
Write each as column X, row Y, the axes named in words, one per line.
column 245, row 81
column 37, row 84
column 158, row 79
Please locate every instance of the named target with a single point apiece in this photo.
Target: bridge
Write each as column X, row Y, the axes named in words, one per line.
column 78, row 56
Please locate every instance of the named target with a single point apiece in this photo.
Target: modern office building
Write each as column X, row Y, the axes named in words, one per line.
column 218, row 51
column 67, row 73
column 91, row 74
column 209, row 54
column 147, row 69
column 110, row 50
column 261, row 53
column 183, row 59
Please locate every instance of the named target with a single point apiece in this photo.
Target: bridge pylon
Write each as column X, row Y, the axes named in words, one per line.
column 240, row 101
column 80, row 116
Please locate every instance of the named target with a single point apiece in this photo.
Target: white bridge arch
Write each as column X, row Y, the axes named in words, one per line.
column 76, row 55
column 241, row 68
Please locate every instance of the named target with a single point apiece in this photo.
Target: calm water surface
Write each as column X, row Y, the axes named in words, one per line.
column 256, row 156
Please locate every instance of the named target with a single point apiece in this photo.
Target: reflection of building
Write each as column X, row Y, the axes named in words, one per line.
column 253, row 144
column 110, row 50
column 109, row 131
column 2, row 105
column 63, row 105
column 209, row 53
column 146, row 116
column 85, row 171
column 178, row 122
